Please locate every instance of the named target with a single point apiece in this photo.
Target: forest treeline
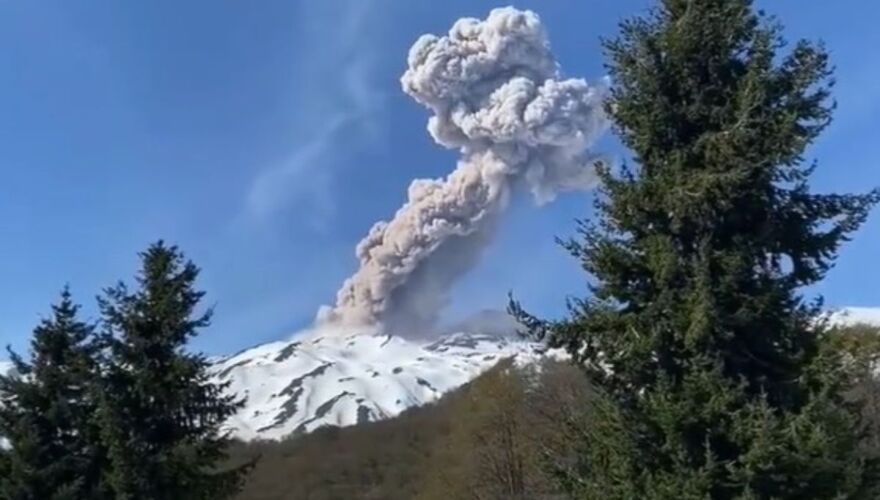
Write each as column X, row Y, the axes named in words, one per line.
column 488, row 439
column 699, row 366
column 119, row 409
column 504, row 435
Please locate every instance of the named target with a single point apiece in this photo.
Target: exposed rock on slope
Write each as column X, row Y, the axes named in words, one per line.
column 301, row 385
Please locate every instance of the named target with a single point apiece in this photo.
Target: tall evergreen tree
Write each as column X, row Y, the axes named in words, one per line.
column 46, row 409
column 709, row 357
column 161, row 414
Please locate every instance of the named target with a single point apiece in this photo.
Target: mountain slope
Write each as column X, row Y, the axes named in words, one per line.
column 301, row 385
column 341, row 380
column 854, row 315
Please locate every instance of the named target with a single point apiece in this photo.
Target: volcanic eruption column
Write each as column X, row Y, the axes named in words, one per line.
column 496, row 94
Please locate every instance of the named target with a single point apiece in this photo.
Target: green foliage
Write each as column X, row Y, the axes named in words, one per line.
column 124, row 414
column 696, row 333
column 860, row 346
column 160, row 414
column 494, row 438
column 45, row 413
column 449, row 450
column 374, row 461
column 382, row 460
column 493, row 450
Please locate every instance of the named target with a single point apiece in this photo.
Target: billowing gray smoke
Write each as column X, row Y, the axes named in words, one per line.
column 497, row 96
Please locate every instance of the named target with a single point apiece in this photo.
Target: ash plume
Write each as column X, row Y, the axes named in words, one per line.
column 496, row 94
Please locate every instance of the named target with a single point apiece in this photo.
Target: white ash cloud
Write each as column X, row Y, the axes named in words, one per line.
column 497, row 95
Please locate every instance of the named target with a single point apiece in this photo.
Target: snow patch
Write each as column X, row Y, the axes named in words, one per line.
column 856, row 315
column 327, row 378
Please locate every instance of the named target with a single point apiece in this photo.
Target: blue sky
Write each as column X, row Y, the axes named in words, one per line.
column 266, row 137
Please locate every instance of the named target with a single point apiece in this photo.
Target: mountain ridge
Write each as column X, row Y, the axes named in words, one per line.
column 333, row 378
column 306, row 383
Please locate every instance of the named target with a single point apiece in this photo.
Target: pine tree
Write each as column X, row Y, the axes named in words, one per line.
column 161, row 415
column 46, row 409
column 709, row 358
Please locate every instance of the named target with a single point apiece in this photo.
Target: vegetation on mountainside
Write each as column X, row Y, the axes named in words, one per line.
column 490, row 439
column 124, row 412
column 697, row 335
column 699, row 369
column 452, row 451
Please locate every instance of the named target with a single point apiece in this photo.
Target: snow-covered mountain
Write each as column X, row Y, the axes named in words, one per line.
column 328, row 378
column 333, row 379
column 854, row 315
